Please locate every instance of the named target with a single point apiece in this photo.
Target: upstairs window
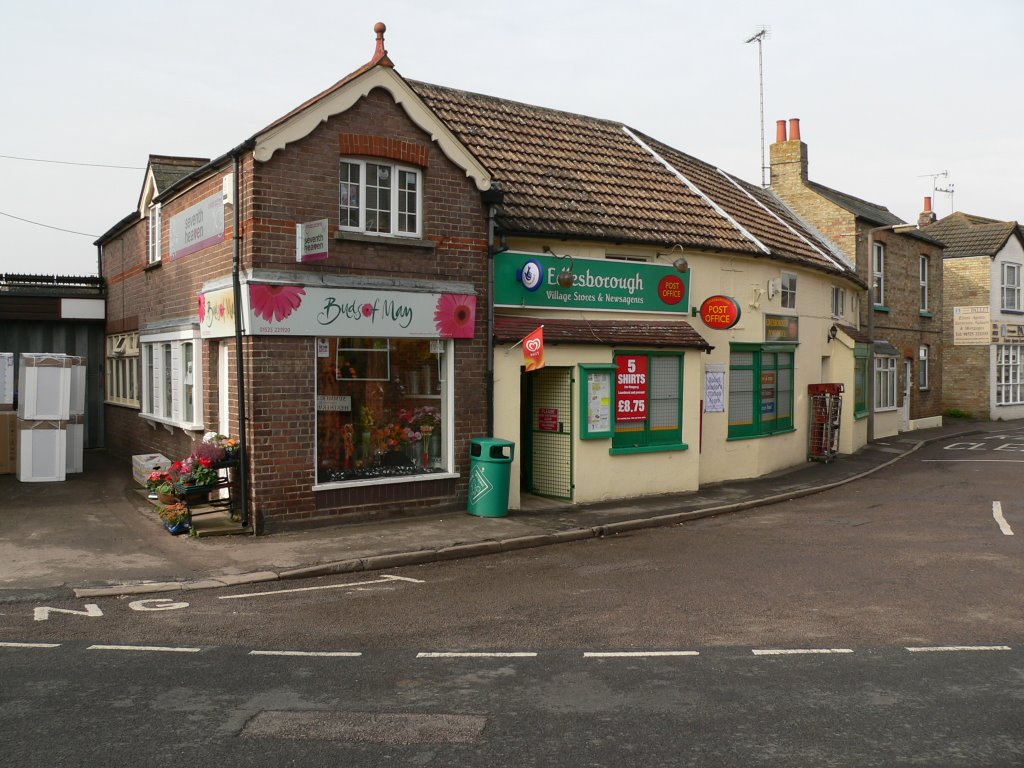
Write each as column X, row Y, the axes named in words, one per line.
column 924, row 283
column 1011, row 287
column 380, row 198
column 838, row 301
column 788, row 290
column 154, row 234
column 878, row 269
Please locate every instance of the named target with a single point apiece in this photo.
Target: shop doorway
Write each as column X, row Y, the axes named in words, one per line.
column 546, row 432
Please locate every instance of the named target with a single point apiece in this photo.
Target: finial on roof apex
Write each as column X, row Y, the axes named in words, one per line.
column 380, row 56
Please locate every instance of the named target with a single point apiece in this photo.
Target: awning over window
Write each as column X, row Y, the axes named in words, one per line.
column 611, row 333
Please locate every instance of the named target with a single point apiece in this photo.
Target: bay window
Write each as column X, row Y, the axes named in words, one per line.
column 885, row 382
column 171, row 370
column 1009, row 374
column 760, row 390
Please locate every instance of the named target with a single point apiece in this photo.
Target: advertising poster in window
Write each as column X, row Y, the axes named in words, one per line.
column 714, row 388
column 768, row 393
column 599, row 402
column 631, row 388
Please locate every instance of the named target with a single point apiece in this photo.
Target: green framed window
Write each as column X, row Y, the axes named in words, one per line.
column 760, row 390
column 647, row 392
column 860, row 380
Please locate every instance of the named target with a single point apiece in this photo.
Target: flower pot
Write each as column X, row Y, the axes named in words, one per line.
column 176, row 529
column 166, row 498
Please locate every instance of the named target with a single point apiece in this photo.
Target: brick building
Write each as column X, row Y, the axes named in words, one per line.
column 908, row 277
column 983, row 318
column 347, row 291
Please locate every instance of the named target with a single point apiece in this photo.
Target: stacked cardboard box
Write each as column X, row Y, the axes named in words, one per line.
column 44, row 412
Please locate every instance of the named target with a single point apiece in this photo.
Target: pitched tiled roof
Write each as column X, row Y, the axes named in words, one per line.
column 862, row 209
column 662, row 333
column 570, row 175
column 168, row 169
column 965, row 235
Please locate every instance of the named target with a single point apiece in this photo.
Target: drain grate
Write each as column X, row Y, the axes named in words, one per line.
column 371, row 727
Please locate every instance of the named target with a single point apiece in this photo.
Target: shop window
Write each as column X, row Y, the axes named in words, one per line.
column 885, row 382
column 382, row 408
column 122, row 370
column 860, row 380
column 1009, row 374
column 760, row 390
column 380, row 198
column 171, row 368
column 648, row 401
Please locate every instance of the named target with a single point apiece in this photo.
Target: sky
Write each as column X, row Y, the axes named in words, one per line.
column 889, row 92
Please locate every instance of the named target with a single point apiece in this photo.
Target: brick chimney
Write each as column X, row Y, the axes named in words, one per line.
column 788, row 156
column 927, row 216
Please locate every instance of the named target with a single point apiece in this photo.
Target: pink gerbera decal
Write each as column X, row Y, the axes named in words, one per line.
column 367, row 310
column 202, row 309
column 275, row 302
column 455, row 316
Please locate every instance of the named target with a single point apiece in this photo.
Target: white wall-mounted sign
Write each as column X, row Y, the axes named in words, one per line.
column 972, row 325
column 311, row 241
column 198, row 227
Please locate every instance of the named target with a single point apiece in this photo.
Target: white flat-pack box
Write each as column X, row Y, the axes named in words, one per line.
column 44, row 387
column 145, row 464
column 75, row 431
column 78, row 384
column 6, row 381
column 42, row 451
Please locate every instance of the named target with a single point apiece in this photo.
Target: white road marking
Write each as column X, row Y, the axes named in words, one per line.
column 158, row 648
column 635, row 654
column 944, row 648
column 29, row 645
column 330, row 654
column 475, row 655
column 997, row 513
column 972, row 461
column 798, row 651
column 381, row 580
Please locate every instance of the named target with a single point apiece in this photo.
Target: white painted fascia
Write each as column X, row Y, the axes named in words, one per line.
column 303, row 123
column 149, row 191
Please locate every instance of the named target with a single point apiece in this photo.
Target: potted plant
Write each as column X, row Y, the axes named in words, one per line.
column 176, row 517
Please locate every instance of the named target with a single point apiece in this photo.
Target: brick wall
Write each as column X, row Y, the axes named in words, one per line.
column 966, row 284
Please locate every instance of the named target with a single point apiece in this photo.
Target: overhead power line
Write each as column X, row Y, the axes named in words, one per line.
column 67, row 162
column 48, row 226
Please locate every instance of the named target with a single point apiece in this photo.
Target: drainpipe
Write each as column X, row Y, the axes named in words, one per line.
column 492, row 198
column 236, row 287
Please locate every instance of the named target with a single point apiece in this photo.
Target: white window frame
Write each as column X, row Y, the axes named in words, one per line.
column 885, row 383
column 396, row 198
column 1009, row 374
column 923, row 274
column 878, row 275
column 923, row 365
column 1010, row 286
column 154, row 253
column 121, row 370
column 788, row 290
column 838, row 301
column 166, row 389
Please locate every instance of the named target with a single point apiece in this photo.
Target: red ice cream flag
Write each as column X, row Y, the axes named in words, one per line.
column 533, row 350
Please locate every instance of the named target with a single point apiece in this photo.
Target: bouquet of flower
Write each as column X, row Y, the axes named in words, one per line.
column 427, row 418
column 156, row 480
column 228, row 444
column 193, row 471
column 390, row 437
column 175, row 514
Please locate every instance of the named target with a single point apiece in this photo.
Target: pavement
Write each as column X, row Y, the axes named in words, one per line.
column 96, row 534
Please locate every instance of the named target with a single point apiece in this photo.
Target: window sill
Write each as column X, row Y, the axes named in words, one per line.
column 153, row 265
column 134, row 406
column 882, row 308
column 887, row 409
column 360, row 237
column 170, row 424
column 762, row 435
column 924, row 313
column 667, row 448
column 1012, row 311
column 387, row 481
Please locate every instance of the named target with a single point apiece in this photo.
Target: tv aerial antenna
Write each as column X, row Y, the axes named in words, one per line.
column 759, row 37
column 946, row 190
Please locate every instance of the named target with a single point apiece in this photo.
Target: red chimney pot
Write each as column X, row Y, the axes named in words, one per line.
column 780, row 131
column 927, row 205
column 794, row 129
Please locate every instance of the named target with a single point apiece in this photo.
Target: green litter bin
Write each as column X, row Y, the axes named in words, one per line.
column 490, row 465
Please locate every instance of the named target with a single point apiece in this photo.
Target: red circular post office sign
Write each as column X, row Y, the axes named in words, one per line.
column 720, row 312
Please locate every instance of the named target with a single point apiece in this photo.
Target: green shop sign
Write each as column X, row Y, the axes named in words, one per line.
column 532, row 280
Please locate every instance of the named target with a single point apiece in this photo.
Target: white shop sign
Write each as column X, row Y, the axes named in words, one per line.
column 197, row 227
column 311, row 241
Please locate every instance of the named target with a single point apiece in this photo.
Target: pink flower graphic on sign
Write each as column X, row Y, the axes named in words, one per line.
column 367, row 310
column 455, row 316
column 275, row 302
column 202, row 309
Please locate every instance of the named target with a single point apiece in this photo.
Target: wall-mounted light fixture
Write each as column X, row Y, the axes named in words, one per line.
column 680, row 263
column 565, row 274
column 832, row 333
